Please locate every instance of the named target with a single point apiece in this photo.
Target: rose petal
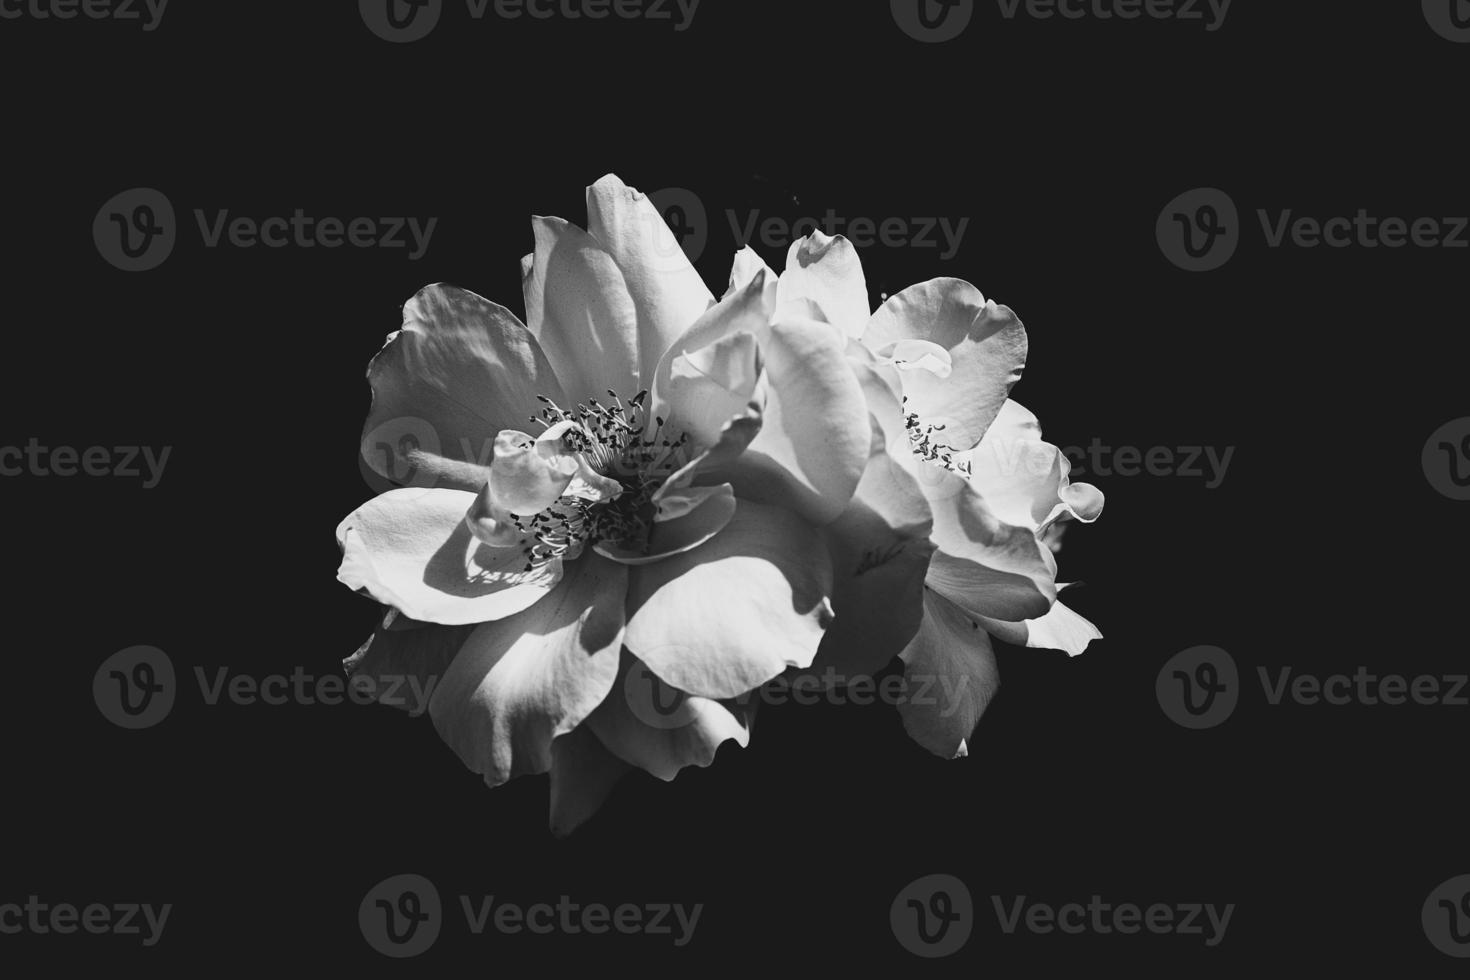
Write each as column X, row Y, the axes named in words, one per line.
column 987, row 351
column 579, row 309
column 746, row 266
column 1060, row 628
column 667, row 292
column 880, row 551
column 986, row 565
column 1025, row 479
column 411, row 549
column 737, row 434
column 461, row 369
column 709, row 387
column 951, row 676
column 827, row 271
column 661, row 730
column 738, row 610
column 983, row 590
column 583, row 775
column 400, row 666
column 521, row 682
column 814, row 440
column 741, row 311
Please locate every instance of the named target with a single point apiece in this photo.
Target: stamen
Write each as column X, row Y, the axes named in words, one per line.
column 612, row 439
column 927, row 448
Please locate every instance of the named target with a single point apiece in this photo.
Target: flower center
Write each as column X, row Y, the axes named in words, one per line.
column 926, row 446
column 616, row 443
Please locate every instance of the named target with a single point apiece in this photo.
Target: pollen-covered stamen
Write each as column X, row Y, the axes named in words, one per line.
column 926, row 446
column 610, row 499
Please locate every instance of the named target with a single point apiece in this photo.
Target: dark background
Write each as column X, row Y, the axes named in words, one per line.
column 1324, row 549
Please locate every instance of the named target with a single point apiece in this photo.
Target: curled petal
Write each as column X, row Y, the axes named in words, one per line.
column 525, row 480
column 986, row 345
column 1025, row 479
column 742, row 311
column 559, row 446
column 413, row 550
column 728, row 616
column 950, row 672
column 519, row 683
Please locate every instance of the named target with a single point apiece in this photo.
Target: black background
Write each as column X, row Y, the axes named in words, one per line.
column 1324, row 549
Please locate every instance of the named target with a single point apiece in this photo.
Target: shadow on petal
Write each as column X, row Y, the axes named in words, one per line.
column 661, row 729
